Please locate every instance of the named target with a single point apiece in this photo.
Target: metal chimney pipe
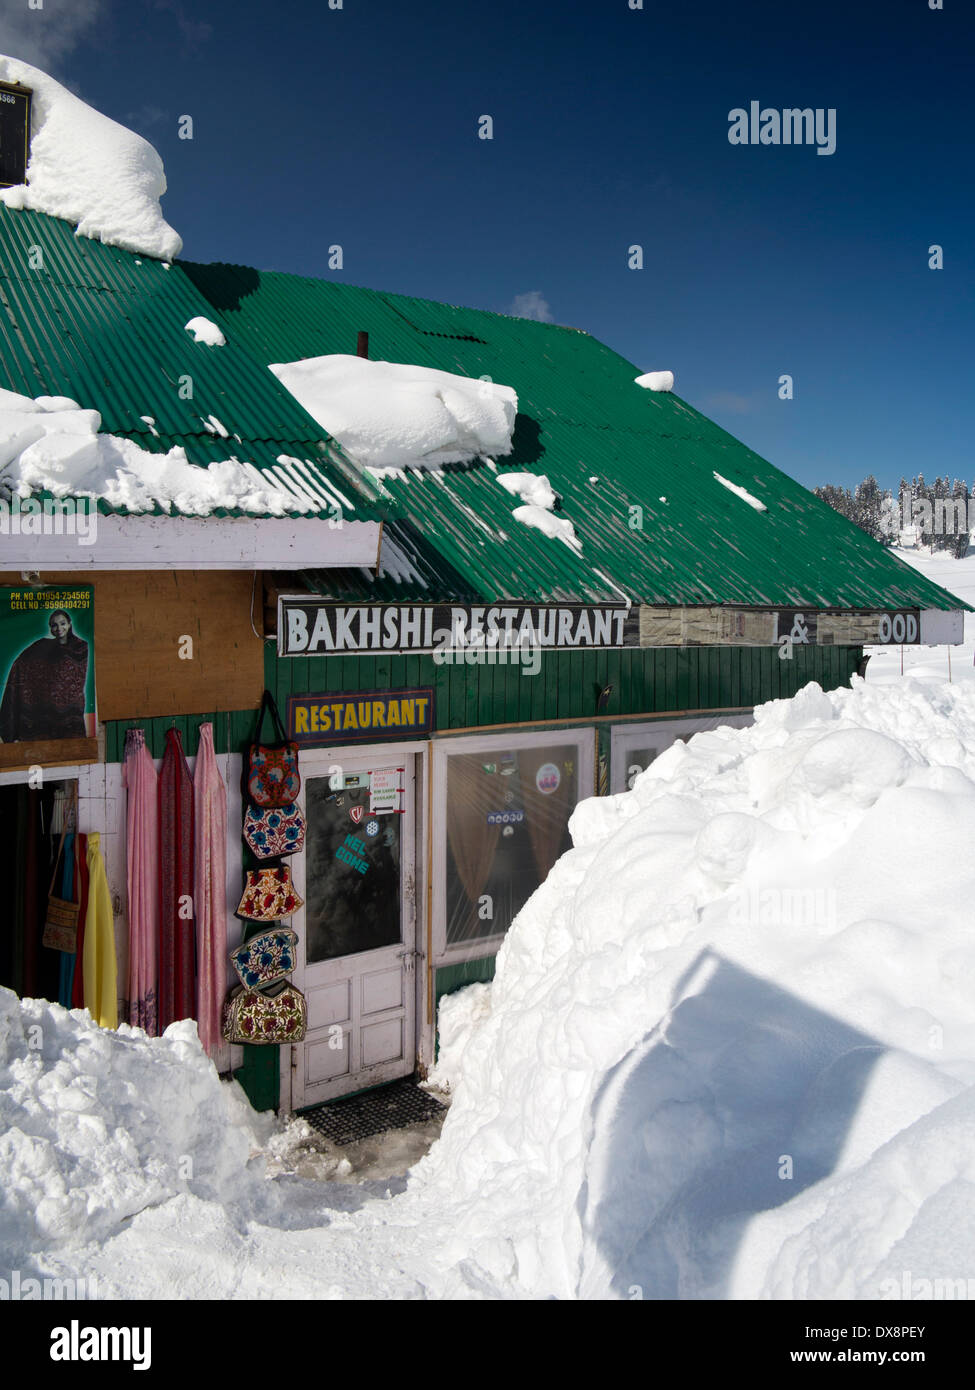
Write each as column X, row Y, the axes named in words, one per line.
column 362, row 345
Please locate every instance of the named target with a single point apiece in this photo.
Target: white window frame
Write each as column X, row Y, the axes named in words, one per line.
column 584, row 740
column 662, row 733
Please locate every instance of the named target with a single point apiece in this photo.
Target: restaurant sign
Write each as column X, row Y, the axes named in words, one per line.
column 364, row 716
column 318, row 627
column 310, row 627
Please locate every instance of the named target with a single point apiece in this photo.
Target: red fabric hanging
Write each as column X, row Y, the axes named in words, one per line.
column 177, row 945
column 81, row 898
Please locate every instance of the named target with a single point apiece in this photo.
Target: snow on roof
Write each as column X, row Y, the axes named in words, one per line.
column 89, row 170
column 558, row 527
column 534, row 489
column 539, row 497
column 50, row 444
column 656, row 381
column 741, row 492
column 205, row 331
column 390, row 416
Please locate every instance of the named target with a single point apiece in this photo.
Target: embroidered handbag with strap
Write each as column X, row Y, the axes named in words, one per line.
column 272, row 833
column 251, row 1017
column 268, row 894
column 271, row 769
column 61, row 922
column 265, row 958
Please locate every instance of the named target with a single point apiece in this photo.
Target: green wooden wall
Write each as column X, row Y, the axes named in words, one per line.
column 567, row 686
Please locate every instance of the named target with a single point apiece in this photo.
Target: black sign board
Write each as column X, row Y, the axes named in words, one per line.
column 14, row 133
column 317, row 627
column 360, row 716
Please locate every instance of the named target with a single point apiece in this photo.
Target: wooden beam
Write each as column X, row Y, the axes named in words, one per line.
column 54, row 752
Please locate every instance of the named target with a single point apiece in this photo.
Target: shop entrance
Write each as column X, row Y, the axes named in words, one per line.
column 357, row 928
column 31, row 822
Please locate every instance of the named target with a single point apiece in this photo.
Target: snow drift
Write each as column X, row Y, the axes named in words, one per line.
column 51, row 444
column 389, row 415
column 729, row 1050
column 90, row 170
column 729, row 1053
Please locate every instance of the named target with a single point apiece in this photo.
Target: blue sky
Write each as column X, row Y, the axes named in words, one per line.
column 359, row 126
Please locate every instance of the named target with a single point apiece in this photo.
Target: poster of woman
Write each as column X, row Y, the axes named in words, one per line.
column 47, row 661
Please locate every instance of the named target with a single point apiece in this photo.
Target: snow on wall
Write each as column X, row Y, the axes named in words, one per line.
column 90, row 170
column 52, row 444
column 389, row 416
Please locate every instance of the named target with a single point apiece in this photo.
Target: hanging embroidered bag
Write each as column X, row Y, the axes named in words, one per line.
column 266, row 958
column 271, row 769
column 268, row 894
column 251, row 1017
column 61, row 922
column 271, row 833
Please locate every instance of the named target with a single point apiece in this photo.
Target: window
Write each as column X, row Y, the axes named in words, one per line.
column 634, row 746
column 503, row 806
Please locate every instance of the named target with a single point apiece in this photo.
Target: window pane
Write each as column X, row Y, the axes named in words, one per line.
column 352, row 876
column 507, row 824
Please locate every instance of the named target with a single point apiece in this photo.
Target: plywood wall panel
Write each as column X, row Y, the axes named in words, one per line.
column 141, row 618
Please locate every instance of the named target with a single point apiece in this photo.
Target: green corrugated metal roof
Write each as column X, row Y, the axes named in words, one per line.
column 107, row 328
column 606, row 444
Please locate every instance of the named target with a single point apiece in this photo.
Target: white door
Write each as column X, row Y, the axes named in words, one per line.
column 357, row 927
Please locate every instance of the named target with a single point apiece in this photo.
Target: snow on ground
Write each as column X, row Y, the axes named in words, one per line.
column 89, row 170
column 729, row 1052
column 932, row 663
column 52, row 444
column 390, row 416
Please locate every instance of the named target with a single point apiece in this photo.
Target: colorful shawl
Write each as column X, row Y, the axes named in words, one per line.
column 210, row 853
column 142, row 881
column 177, row 950
column 99, row 963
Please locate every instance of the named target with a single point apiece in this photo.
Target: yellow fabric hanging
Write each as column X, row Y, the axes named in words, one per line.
column 99, row 949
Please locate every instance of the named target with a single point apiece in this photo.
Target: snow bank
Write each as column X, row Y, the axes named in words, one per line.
column 656, row 381
column 730, row 1050
column 89, row 170
column 389, row 416
column 96, row 1126
column 52, row 444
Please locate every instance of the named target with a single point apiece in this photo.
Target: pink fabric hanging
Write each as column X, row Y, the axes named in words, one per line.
column 142, row 880
column 177, row 944
column 210, row 889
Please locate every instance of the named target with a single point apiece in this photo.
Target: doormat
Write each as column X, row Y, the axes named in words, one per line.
column 395, row 1106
